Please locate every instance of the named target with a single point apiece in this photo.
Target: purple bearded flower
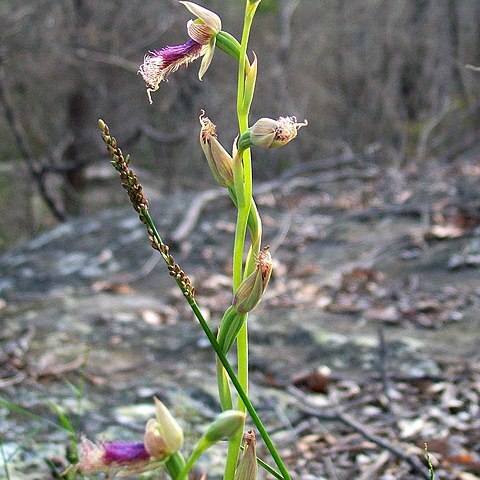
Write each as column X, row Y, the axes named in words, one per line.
column 163, row 437
column 158, row 64
column 116, row 458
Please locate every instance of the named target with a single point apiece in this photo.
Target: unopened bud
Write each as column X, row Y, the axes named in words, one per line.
column 227, row 424
column 248, row 467
column 163, row 435
column 218, row 159
column 269, row 133
column 251, row 290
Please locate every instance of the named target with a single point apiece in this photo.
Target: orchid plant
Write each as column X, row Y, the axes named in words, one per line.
column 163, row 440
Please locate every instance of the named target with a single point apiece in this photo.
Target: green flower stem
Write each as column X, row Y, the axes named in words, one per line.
column 174, row 465
column 242, row 218
column 223, row 385
column 255, row 226
column 227, row 366
column 183, row 475
column 224, row 392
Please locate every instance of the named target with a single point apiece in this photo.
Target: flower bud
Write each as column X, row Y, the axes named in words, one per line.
column 227, row 424
column 251, row 290
column 269, row 133
column 163, row 435
column 248, row 467
column 218, row 159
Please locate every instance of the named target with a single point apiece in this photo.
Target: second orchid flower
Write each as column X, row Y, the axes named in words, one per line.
column 158, row 64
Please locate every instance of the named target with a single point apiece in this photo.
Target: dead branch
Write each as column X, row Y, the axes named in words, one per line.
column 372, row 472
column 338, row 415
column 106, row 58
column 472, row 67
column 33, row 167
column 430, row 127
column 154, row 134
column 186, row 226
column 282, row 233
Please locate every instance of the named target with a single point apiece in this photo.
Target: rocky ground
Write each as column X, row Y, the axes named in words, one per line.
column 365, row 347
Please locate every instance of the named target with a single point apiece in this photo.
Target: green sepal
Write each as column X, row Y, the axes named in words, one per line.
column 228, row 44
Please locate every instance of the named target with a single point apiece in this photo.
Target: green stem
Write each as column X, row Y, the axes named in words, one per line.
column 224, row 392
column 255, row 226
column 189, row 465
column 242, row 218
column 175, row 465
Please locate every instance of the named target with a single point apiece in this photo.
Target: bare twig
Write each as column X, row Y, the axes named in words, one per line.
column 285, row 226
column 154, row 134
column 188, row 223
column 431, row 124
column 33, row 167
column 382, row 367
column 106, row 58
column 330, row 468
column 286, row 182
column 472, row 67
column 372, row 472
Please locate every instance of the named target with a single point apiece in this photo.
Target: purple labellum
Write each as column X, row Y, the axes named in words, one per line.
column 178, row 53
column 124, row 452
column 158, row 64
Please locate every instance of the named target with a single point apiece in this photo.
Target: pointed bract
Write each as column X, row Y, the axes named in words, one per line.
column 248, row 468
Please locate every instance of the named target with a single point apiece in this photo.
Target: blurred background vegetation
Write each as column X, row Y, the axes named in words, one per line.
column 372, row 76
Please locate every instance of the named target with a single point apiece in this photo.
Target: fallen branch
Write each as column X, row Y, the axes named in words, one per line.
column 288, row 181
column 34, row 168
column 186, row 226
